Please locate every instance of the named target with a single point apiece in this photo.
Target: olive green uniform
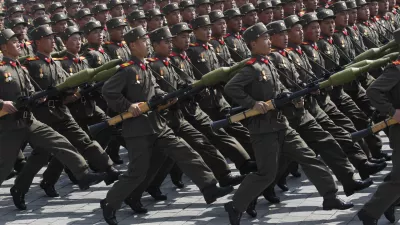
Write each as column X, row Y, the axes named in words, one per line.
column 47, row 72
column 26, row 48
column 237, row 47
column 22, row 126
column 271, row 135
column 117, row 50
column 132, row 84
column 384, row 94
column 222, row 52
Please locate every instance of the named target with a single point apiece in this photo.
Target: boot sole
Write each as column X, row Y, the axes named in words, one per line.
column 215, row 197
column 349, row 193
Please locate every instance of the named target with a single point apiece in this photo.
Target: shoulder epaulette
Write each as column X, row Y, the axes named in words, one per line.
column 91, row 49
column 65, row 58
column 2, row 63
column 126, row 64
column 58, row 59
column 194, row 44
column 273, row 49
column 305, row 43
column 32, row 58
column 152, row 59
column 107, row 42
column 82, row 57
column 397, row 62
column 251, row 61
column 227, row 35
column 123, row 42
column 173, row 54
column 289, row 49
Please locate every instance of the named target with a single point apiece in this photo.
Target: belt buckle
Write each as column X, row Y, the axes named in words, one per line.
column 279, row 115
column 51, row 104
column 25, row 115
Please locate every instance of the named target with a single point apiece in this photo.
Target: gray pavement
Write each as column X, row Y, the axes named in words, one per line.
column 300, row 205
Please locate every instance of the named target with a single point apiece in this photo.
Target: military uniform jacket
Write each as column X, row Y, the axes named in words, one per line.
column 134, row 83
column 384, row 92
column 395, row 14
column 369, row 34
column 165, row 76
column 387, row 25
column 48, row 72
column 311, row 50
column 356, row 39
column 204, row 60
column 26, row 48
column 379, row 29
column 222, row 52
column 117, row 50
column 14, row 83
column 84, row 106
column 59, row 44
column 237, row 47
column 289, row 78
column 96, row 56
column 258, row 81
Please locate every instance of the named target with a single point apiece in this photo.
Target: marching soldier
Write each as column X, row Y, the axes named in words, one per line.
column 148, row 4
column 20, row 125
column 162, row 3
column 218, row 32
column 38, row 10
column 165, row 75
column 47, row 72
column 384, row 21
column 72, row 7
column 310, row 5
column 27, row 14
column 274, row 137
column 217, row 5
column 20, row 27
column 56, row 7
column 155, row 19
column 289, row 7
column 137, row 18
column 300, row 119
column 265, row 12
column 367, row 30
column 89, row 4
column 116, row 48
column 83, row 16
column 59, row 24
column 250, row 17
column 299, row 8
column 233, row 39
column 101, row 13
column 130, row 6
column 382, row 202
column 153, row 137
column 15, row 12
column 172, row 14
column 116, row 8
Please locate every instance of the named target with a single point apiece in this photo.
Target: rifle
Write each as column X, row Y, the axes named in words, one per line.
column 86, row 90
column 356, row 136
column 338, row 78
column 214, row 77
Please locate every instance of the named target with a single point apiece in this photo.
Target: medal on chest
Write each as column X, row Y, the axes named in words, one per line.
column 234, row 46
column 182, row 66
column 137, row 79
column 41, row 72
column 202, row 57
column 264, row 75
column 162, row 73
column 342, row 42
column 7, row 77
column 70, row 71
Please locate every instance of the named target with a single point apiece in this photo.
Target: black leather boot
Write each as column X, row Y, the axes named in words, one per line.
column 156, row 193
column 91, row 179
column 18, row 198
column 251, row 209
column 231, row 179
column 336, row 203
column 234, row 215
column 136, row 205
column 212, row 193
column 112, row 175
column 49, row 189
column 108, row 213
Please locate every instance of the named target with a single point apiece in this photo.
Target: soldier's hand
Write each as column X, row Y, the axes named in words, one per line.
column 8, row 106
column 261, row 107
column 396, row 115
column 135, row 110
column 173, row 101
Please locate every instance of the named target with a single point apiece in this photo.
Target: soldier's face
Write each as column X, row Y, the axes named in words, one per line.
column 149, row 5
column 261, row 45
column 139, row 48
column 363, row 13
column 327, row 27
column 46, row 44
column 21, row 30
column 117, row 11
column 12, row 48
column 203, row 33
column 352, row 16
column 95, row 37
column 229, row 4
column 280, row 40
column 373, row 8
column 278, row 13
column 102, row 17
column 235, row 24
column 296, row 34
column 181, row 41
column 60, row 26
column 84, row 21
column 219, row 28
column 117, row 33
column 289, row 8
column 299, row 5
column 188, row 14
column 241, row 2
column 155, row 22
column 312, row 31
column 73, row 44
column 203, row 9
column 163, row 3
column 141, row 22
column 59, row 10
column 174, row 18
column 266, row 16
column 392, row 3
column 310, row 4
column 342, row 19
column 72, row 10
column 383, row 6
column 163, row 48
column 250, row 18
column 28, row 6
column 38, row 13
column 16, row 15
column 218, row 6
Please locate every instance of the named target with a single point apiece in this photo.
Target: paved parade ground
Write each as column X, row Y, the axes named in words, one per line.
column 300, row 205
